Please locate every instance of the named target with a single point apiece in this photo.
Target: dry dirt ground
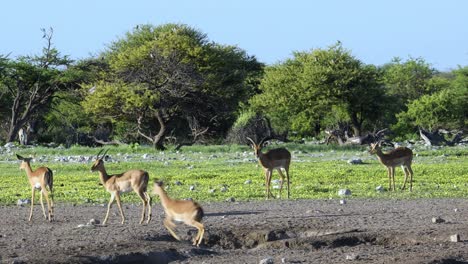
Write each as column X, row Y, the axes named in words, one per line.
column 303, row 231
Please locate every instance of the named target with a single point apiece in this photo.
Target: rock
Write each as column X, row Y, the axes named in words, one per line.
column 192, row 187
column 355, row 161
column 9, row 145
column 211, row 190
column 230, row 199
column 455, row 238
column 352, row 256
column 93, row 221
column 145, row 156
column 248, row 182
column 380, row 188
column 177, row 183
column 342, row 201
column 437, row 220
column 22, row 202
column 268, row 260
column 224, row 189
column 276, row 181
column 344, row 192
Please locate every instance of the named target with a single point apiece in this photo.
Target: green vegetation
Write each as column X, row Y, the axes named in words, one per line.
column 317, row 172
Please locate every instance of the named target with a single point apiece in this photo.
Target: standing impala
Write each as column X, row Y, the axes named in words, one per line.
column 189, row 212
column 136, row 180
column 41, row 179
column 278, row 159
column 397, row 157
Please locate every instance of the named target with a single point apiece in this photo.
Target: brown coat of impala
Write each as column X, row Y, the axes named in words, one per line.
column 116, row 184
column 41, row 179
column 189, row 212
column 397, row 157
column 279, row 158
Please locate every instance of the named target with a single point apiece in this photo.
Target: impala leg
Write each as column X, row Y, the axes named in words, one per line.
column 267, row 182
column 287, row 178
column 405, row 170
column 119, row 204
column 145, row 204
column 411, row 177
column 200, row 233
column 393, row 177
column 389, row 174
column 148, row 198
column 169, row 225
column 282, row 181
column 49, row 205
column 111, row 201
column 42, row 202
column 32, row 203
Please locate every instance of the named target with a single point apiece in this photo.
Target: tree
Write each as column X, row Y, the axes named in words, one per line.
column 443, row 109
column 300, row 93
column 409, row 80
column 175, row 75
column 31, row 83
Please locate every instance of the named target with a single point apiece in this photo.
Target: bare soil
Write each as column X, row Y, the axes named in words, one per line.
column 302, row 231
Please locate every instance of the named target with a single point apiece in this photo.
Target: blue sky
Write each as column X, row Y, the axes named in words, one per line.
column 374, row 31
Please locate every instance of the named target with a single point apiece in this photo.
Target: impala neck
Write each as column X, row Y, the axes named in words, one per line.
column 103, row 175
column 379, row 153
column 164, row 198
column 28, row 169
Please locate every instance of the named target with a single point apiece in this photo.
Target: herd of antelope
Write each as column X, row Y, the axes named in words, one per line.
column 187, row 211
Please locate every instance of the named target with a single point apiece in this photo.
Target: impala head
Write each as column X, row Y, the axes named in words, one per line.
column 24, row 161
column 257, row 147
column 99, row 162
column 158, row 187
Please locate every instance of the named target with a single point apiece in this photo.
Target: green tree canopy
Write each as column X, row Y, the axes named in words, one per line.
column 300, row 93
column 175, row 76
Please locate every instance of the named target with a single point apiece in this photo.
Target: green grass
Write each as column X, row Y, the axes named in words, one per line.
column 317, row 172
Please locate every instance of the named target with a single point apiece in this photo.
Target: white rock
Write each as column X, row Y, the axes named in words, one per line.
column 344, row 192
column 212, row 190
column 342, row 201
column 355, row 161
column 9, row 145
column 379, row 188
column 192, row 187
column 224, row 189
column 455, row 238
column 177, row 183
column 437, row 220
column 248, row 182
column 268, row 260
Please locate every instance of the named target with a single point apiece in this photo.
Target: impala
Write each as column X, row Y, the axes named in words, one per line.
column 278, row 159
column 116, row 184
column 189, row 212
column 397, row 157
column 41, row 179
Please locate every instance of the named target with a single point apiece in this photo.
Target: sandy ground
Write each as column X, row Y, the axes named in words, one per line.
column 303, row 231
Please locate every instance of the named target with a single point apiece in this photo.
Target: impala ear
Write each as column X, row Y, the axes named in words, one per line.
column 19, row 157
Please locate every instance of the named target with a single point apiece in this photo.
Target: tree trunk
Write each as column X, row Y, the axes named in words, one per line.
column 356, row 124
column 158, row 141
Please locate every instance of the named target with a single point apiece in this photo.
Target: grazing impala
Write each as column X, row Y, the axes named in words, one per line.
column 189, row 212
column 41, row 179
column 136, row 180
column 278, row 159
column 397, row 157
